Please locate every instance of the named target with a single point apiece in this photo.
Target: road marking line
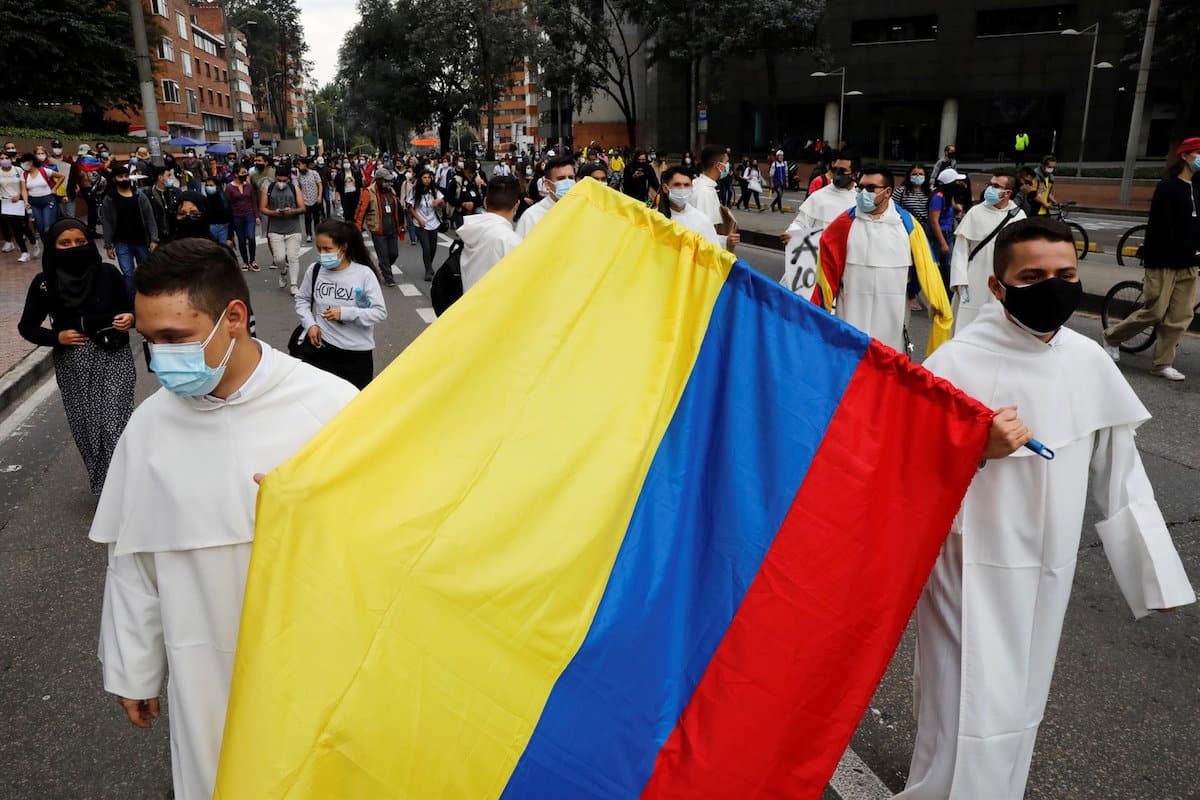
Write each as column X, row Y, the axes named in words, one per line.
column 16, row 419
column 408, row 289
column 854, row 780
column 427, row 314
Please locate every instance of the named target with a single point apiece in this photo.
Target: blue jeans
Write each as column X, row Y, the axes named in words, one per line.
column 45, row 212
column 243, row 228
column 130, row 256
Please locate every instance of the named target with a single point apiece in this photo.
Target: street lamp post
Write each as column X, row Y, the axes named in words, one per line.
column 841, row 97
column 1139, row 101
column 1092, row 30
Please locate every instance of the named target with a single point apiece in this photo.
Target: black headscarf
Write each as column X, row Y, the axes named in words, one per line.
column 69, row 273
column 188, row 228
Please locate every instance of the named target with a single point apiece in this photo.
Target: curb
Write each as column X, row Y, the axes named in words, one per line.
column 21, row 379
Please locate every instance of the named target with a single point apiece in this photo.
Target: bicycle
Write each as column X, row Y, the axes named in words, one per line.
column 1061, row 212
column 1121, row 302
column 1130, row 246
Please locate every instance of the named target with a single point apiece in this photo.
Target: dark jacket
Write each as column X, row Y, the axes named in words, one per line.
column 108, row 298
column 165, row 203
column 108, row 217
column 1173, row 229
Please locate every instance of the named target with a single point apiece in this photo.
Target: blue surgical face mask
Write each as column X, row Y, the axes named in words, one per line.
column 210, row 190
column 329, row 260
column 991, row 196
column 680, row 196
column 1195, row 164
column 562, row 186
column 725, row 170
column 865, row 201
column 916, row 180
column 181, row 368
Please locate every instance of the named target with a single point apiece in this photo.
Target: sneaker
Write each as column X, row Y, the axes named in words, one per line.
column 413, row 242
column 245, row 267
column 254, row 267
column 8, row 247
column 272, row 266
column 1170, row 373
column 37, row 249
column 24, row 259
column 915, row 305
column 293, row 290
column 429, row 275
column 1113, row 352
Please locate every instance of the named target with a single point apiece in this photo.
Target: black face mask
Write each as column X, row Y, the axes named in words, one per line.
column 841, row 180
column 1042, row 308
column 189, row 226
column 121, row 183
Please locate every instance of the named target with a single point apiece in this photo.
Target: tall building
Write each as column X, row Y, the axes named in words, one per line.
column 920, row 74
column 517, row 117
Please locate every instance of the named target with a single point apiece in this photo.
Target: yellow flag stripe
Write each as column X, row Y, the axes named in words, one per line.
column 405, row 623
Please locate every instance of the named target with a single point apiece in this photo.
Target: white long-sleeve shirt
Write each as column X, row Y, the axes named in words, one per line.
column 356, row 329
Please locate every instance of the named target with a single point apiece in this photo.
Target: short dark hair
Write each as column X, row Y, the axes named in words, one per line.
column 672, row 172
column 847, row 155
column 207, row 272
column 1046, row 159
column 1033, row 229
column 558, row 162
column 878, row 169
column 503, row 192
column 711, row 155
column 1011, row 178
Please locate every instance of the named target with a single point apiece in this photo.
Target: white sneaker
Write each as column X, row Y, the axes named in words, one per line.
column 8, row 247
column 37, row 249
column 1170, row 373
column 1113, row 352
column 24, row 259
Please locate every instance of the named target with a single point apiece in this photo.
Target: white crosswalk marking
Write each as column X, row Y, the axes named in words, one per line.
column 408, row 289
column 427, row 314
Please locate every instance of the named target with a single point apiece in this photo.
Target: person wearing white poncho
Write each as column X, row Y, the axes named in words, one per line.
column 977, row 234
column 990, row 617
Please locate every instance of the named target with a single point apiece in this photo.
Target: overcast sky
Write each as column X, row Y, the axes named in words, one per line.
column 325, row 23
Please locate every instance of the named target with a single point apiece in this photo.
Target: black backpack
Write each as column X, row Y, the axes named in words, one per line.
column 447, row 284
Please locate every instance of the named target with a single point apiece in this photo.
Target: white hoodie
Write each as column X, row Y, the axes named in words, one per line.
column 487, row 238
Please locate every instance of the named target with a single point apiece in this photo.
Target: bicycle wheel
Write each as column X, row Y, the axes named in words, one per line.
column 1122, row 300
column 1130, row 247
column 1081, row 239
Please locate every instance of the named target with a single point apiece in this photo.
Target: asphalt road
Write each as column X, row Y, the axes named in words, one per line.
column 1121, row 722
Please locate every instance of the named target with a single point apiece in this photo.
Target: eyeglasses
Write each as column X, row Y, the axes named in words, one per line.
column 870, row 187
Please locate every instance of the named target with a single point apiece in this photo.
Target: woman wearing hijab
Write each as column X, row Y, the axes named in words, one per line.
column 191, row 217
column 90, row 315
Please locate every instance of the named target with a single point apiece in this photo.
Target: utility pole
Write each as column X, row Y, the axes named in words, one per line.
column 1139, row 103
column 146, row 81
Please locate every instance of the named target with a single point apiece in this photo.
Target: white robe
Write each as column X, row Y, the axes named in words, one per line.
column 177, row 514
column 873, row 297
column 976, row 224
column 989, row 620
column 706, row 200
column 694, row 220
column 533, row 215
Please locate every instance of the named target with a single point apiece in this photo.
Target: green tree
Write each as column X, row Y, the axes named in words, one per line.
column 71, row 52
column 276, row 48
column 590, row 47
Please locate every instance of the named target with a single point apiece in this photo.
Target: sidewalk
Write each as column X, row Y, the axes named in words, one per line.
column 14, row 284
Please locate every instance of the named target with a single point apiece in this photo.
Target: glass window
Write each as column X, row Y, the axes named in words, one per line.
column 181, row 25
column 894, row 29
column 1021, row 21
column 170, row 92
column 185, row 60
column 159, row 7
column 191, row 101
column 166, row 49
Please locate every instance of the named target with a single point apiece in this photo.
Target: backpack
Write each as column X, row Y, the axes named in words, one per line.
column 447, row 284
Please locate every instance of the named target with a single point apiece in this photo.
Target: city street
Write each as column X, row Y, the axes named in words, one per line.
column 1121, row 721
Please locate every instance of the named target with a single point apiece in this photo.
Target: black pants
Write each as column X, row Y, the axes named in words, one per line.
column 13, row 228
column 428, row 241
column 349, row 206
column 354, row 366
column 387, row 250
column 312, row 218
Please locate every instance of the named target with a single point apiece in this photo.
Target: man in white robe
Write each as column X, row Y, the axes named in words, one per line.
column 558, row 180
column 816, row 212
column 865, row 254
column 714, row 166
column 677, row 185
column 177, row 512
column 989, row 620
column 976, row 234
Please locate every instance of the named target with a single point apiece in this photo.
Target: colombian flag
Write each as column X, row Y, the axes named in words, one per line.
column 629, row 520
